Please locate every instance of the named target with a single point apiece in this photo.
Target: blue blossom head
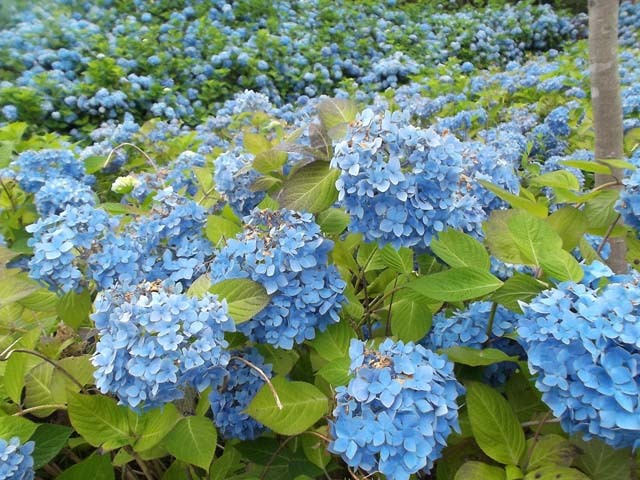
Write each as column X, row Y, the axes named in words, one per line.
column 16, row 461
column 234, row 177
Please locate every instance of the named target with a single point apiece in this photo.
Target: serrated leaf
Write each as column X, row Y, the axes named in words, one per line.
column 269, row 161
column 600, row 211
column 282, row 360
column 562, row 266
column 37, row 385
column 40, row 301
column 16, row 287
column 460, row 250
column 558, row 179
column 456, row 285
column 99, row 420
column 495, row 426
column 154, row 425
column 479, row 471
column 49, row 439
column 333, row 221
column 80, row 368
column 602, row 462
column 222, row 467
column 311, row 188
column 518, row 288
column 315, row 451
column 96, row 467
column 335, row 113
column 537, row 209
column 245, row 298
column 571, row 224
column 255, row 143
column 499, row 239
column 334, row 342
column 94, row 164
column 475, row 357
column 410, row 317
column 16, row 427
column 200, row 286
column 551, row 450
column 74, row 308
column 219, row 229
column 336, row 372
column 400, row 260
column 192, row 440
column 533, row 237
column 556, row 473
column 302, row 406
column 268, row 203
column 587, row 166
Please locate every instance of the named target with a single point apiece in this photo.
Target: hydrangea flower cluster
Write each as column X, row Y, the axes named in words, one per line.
column 395, row 415
column 401, row 184
column 58, row 193
column 629, row 203
column 62, row 242
column 582, row 340
column 16, row 462
column 230, row 399
column 234, row 176
column 155, row 341
column 286, row 253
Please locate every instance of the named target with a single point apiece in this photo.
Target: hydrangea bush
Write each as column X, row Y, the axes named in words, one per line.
column 213, row 269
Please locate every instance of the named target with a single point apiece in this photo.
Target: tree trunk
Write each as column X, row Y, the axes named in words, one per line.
column 606, row 102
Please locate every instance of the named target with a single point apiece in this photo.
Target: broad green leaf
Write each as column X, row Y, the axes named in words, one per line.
column 551, row 450
column 334, row 342
column 475, row 357
column 311, row 188
column 18, row 365
column 200, row 286
column 192, row 440
column 562, row 266
column 558, row 179
column 99, row 420
column 556, row 473
column 537, row 209
column 49, row 439
column 333, row 221
column 245, row 298
column 617, row 163
column 315, row 450
column 269, row 161
column 571, row 224
column 457, row 284
column 154, row 425
column 96, row 467
column 587, row 166
column 282, row 360
column 80, row 368
column 410, row 317
column 369, row 257
column 16, row 427
column 40, row 301
column 255, row 143
column 495, row 426
column 479, row 471
column 523, row 397
column 336, row 372
column 519, row 288
column 335, row 114
column 602, row 462
column 219, row 229
column 600, row 211
column 268, row 203
column 498, row 237
column 177, row 471
column 302, row 406
column 94, row 164
column 16, row 287
column 460, row 250
column 222, row 467
column 533, row 237
column 74, row 308
column 400, row 261
column 631, row 141
column 37, row 385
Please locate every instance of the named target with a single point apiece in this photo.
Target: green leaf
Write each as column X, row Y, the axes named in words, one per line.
column 537, row 209
column 333, row 221
column 602, row 462
column 400, row 261
column 587, row 166
column 460, row 250
column 571, row 224
column 222, row 467
column 16, row 427
column 457, row 284
column 96, row 467
column 498, row 237
column 219, row 229
column 551, row 450
column 245, row 298
column 94, row 164
column 99, row 420
column 49, row 439
column 80, row 368
column 617, row 163
column 479, row 471
column 74, row 308
column 40, row 301
column 519, row 288
column 315, row 451
column 631, row 141
column 177, row 471
column 268, row 203
column 495, row 426
column 14, row 288
column 600, row 211
column 558, row 179
column 475, row 357
column 154, row 425
column 556, row 473
column 302, row 406
column 200, row 286
column 336, row 372
column 283, row 361
column 38, row 388
column 533, row 237
column 562, row 266
column 410, row 317
column 192, row 440
column 335, row 114
column 19, row 363
column 255, row 143
column 269, row 161
column 334, row 342
column 311, row 188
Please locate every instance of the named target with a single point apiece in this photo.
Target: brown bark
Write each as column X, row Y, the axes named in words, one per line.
column 606, row 101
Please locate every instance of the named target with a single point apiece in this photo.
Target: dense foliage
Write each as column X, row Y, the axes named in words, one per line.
column 252, row 239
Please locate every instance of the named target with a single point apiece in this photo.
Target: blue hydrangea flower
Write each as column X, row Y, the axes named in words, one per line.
column 155, row 341
column 16, row 462
column 286, row 253
column 583, row 342
column 628, row 204
column 395, row 415
column 61, row 244
column 230, row 399
column 57, row 193
column 234, row 176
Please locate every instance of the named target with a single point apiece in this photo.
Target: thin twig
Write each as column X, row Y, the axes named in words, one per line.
column 537, row 432
column 274, row 456
column 143, row 466
column 264, row 377
column 39, row 407
column 608, row 233
column 492, row 316
column 14, row 207
column 127, row 144
column 4, row 358
column 388, row 329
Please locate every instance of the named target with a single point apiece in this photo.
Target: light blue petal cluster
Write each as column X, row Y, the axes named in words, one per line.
column 56, row 194
column 230, row 399
column 234, row 176
column 286, row 253
column 583, row 342
column 16, row 462
column 155, row 341
column 395, row 415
